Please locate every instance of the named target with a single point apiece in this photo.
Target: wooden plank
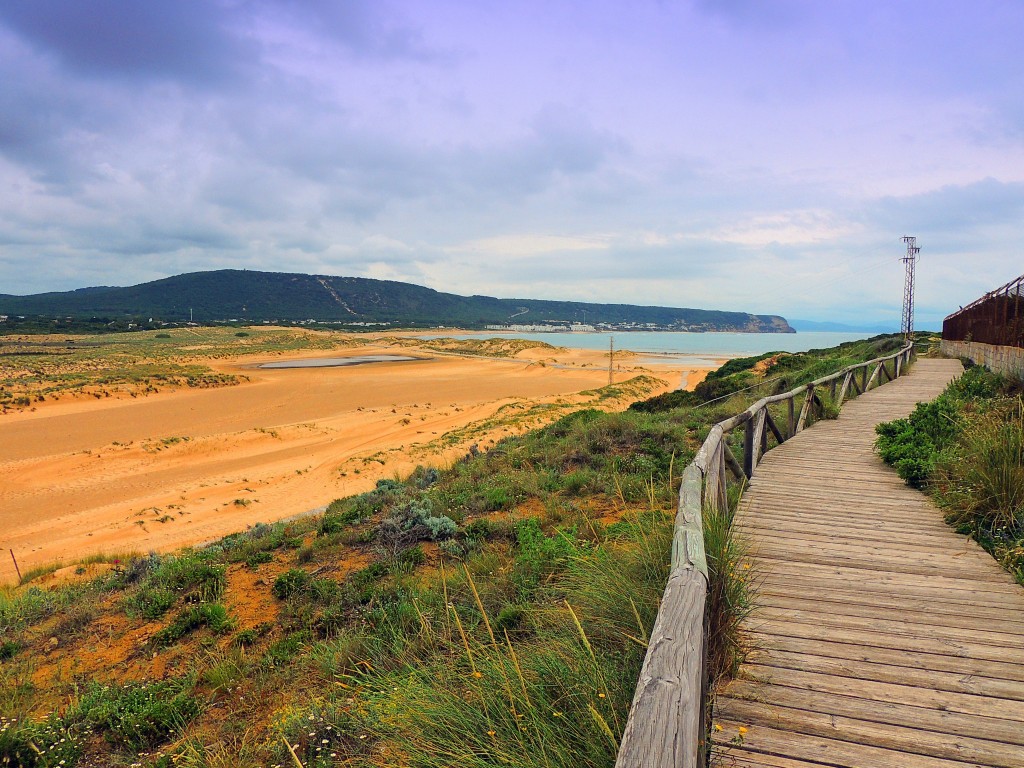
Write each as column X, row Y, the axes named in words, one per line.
column 949, row 554
column 955, row 682
column 767, row 597
column 799, row 519
column 937, row 602
column 841, row 599
column 874, row 558
column 1007, row 711
column 1012, row 671
column 897, row 641
column 806, row 532
column 1007, row 734
column 906, row 740
column 757, row 737
column 738, row 757
column 871, row 579
column 894, row 589
column 1004, row 640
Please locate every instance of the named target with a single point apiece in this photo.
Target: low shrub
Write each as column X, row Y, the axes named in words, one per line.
column 289, row 583
column 729, row 601
column 912, row 445
column 28, row 743
column 149, row 602
column 136, row 716
column 212, row 615
column 9, row 649
column 967, row 448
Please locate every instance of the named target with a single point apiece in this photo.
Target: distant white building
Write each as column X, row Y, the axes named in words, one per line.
column 530, row 328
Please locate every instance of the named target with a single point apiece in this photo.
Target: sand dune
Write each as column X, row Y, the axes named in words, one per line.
column 184, row 467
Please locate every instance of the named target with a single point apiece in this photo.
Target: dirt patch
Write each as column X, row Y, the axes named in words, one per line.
column 761, row 367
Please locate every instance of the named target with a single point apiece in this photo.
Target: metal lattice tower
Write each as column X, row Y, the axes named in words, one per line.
column 910, row 260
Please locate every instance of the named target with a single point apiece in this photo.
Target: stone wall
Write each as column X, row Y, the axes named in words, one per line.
column 1006, row 360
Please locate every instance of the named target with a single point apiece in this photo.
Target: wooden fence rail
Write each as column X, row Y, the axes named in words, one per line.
column 667, row 720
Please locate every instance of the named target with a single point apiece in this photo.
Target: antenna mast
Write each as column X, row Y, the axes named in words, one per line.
column 910, row 260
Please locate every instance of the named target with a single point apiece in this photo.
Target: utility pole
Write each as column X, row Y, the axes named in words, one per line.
column 611, row 357
column 910, row 260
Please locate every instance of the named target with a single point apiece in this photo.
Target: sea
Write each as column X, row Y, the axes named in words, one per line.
column 693, row 348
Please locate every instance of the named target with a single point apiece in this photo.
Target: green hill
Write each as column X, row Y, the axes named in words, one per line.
column 275, row 296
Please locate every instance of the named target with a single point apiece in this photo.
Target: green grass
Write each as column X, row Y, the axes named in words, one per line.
column 729, row 594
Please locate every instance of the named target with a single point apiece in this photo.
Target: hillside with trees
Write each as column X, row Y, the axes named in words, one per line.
column 249, row 296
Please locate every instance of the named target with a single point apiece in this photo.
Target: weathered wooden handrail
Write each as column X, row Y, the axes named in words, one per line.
column 667, row 719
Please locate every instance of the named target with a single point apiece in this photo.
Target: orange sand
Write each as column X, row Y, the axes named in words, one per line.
column 185, row 467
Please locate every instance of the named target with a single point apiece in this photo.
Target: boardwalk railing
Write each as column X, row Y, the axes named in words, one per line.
column 669, row 712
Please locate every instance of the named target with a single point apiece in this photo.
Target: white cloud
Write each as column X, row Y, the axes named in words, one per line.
column 709, row 154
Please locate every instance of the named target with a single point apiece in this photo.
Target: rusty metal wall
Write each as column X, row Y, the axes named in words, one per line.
column 996, row 318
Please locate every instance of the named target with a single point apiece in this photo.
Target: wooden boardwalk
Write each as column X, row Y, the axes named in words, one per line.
column 881, row 637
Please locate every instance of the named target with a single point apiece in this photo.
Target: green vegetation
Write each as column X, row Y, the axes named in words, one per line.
column 135, row 364
column 250, row 296
column 729, row 598
column 492, row 613
column 773, row 373
column 966, row 449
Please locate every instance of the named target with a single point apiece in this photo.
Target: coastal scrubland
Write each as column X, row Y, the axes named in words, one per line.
column 966, row 450
column 491, row 612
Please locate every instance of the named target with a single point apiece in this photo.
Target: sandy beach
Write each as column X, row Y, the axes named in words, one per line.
column 178, row 468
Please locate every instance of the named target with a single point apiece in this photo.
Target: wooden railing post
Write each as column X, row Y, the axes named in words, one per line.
column 806, row 410
column 748, row 449
column 846, row 388
column 791, row 421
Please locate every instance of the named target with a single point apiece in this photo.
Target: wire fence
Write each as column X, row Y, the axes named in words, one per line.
column 996, row 318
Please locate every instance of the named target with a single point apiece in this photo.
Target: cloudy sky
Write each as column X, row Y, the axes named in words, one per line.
column 729, row 154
